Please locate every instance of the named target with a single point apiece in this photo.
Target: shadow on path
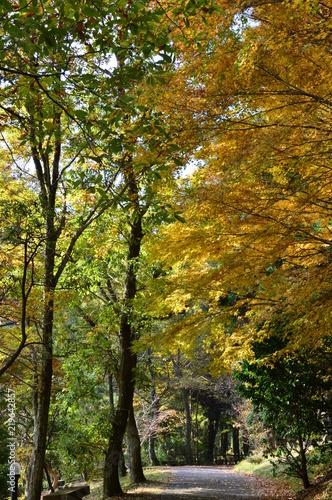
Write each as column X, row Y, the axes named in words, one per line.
column 201, row 482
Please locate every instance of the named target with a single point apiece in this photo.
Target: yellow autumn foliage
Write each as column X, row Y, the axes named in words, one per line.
column 258, row 207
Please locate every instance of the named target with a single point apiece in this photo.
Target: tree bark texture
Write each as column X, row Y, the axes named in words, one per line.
column 127, row 358
column 122, row 465
column 134, row 449
column 152, row 451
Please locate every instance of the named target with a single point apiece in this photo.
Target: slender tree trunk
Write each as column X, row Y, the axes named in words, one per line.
column 128, row 359
column 304, row 471
column 134, row 448
column 155, row 407
column 155, row 413
column 197, row 429
column 245, row 440
column 224, row 444
column 152, row 451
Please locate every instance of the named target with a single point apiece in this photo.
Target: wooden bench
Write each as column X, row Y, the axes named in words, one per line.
column 74, row 493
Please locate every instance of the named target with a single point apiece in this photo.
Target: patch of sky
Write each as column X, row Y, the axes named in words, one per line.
column 190, row 168
column 242, row 21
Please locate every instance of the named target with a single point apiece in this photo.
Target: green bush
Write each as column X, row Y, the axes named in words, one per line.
column 255, row 459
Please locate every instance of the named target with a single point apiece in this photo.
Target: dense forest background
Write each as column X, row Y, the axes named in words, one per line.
column 165, row 236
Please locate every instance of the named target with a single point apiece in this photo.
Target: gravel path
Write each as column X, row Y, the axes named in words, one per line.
column 218, row 482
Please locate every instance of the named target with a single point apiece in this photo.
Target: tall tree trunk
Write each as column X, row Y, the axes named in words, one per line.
column 128, row 359
column 119, row 422
column 134, row 448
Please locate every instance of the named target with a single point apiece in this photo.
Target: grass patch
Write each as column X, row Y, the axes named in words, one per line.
column 256, row 464
column 262, row 467
column 156, row 477
column 152, row 474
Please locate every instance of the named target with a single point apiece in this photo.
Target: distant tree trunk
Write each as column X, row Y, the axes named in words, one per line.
column 155, row 407
column 197, row 429
column 185, row 399
column 152, row 451
column 224, row 443
column 211, row 434
column 155, row 413
column 127, row 358
column 245, row 441
column 134, row 450
column 236, row 444
column 213, row 424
